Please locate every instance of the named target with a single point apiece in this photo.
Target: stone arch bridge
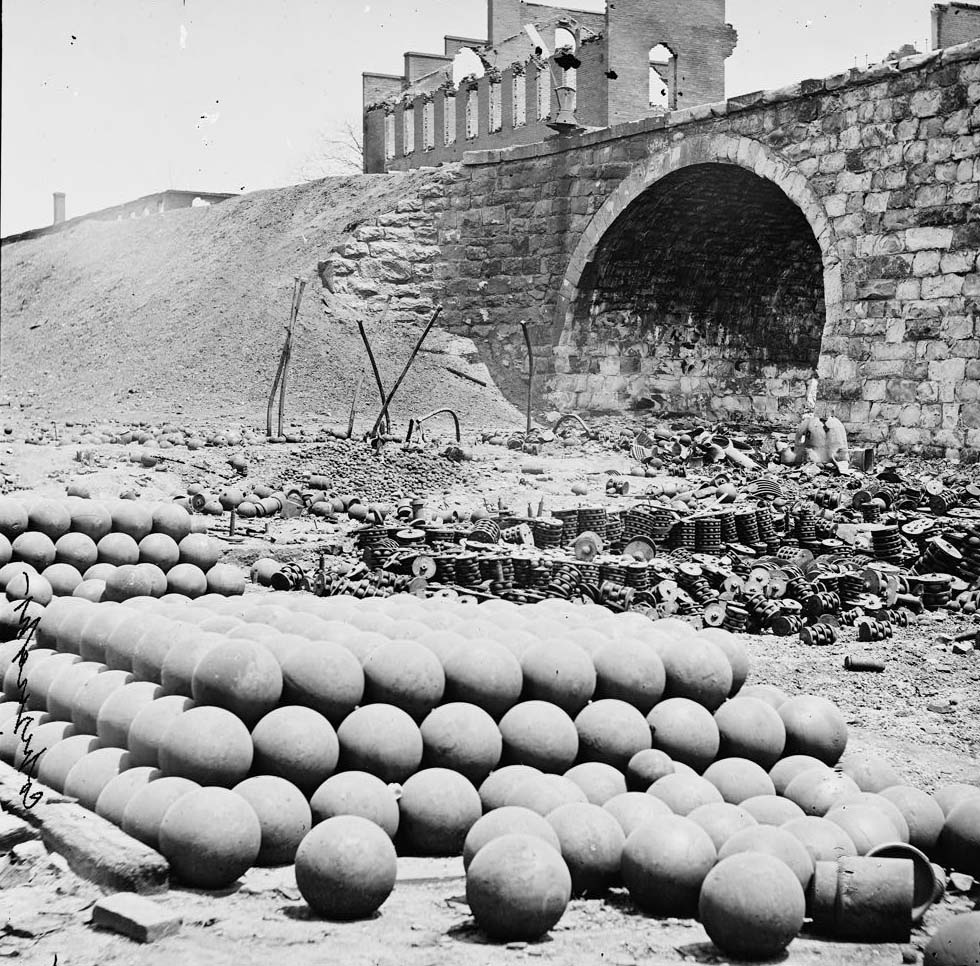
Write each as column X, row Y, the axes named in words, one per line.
column 813, row 245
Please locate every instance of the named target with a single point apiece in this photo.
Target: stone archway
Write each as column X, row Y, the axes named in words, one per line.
column 707, row 282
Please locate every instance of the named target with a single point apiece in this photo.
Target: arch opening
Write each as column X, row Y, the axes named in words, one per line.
column 663, row 78
column 705, row 296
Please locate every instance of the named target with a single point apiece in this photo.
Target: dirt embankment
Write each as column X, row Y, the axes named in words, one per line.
column 184, row 314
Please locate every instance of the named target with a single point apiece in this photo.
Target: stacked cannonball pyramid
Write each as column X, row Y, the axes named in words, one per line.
column 107, row 551
column 563, row 750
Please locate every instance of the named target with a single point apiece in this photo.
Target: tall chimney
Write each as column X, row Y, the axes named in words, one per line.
column 59, row 207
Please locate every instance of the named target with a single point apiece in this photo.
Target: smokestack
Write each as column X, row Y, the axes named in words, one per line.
column 59, row 207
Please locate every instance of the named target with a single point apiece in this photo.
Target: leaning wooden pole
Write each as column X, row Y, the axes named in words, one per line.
column 530, row 373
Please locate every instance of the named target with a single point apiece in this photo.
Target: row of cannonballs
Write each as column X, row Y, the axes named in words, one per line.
column 654, row 806
column 115, row 550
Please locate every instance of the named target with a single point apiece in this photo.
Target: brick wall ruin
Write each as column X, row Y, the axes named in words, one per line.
column 423, row 117
column 714, row 257
column 955, row 23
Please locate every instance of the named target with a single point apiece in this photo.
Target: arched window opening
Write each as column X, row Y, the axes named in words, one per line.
column 428, row 126
column 472, row 113
column 565, row 40
column 408, row 130
column 520, row 99
column 663, row 78
column 389, row 136
column 466, row 63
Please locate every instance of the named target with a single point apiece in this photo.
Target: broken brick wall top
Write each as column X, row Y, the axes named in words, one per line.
column 955, row 23
column 427, row 118
column 868, row 185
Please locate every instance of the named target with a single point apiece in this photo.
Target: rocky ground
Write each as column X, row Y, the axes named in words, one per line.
column 922, row 713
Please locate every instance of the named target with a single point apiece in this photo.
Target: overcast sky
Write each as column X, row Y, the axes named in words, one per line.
column 108, row 100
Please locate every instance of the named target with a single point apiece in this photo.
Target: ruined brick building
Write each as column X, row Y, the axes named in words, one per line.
column 639, row 58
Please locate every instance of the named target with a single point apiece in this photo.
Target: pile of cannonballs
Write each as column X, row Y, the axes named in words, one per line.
column 112, row 551
column 561, row 749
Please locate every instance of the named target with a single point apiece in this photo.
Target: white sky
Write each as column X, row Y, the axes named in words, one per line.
column 108, row 100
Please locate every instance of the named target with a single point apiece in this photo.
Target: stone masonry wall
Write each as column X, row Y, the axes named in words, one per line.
column 883, row 163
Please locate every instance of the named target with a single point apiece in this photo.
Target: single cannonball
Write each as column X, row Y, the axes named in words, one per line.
column 62, row 578
column 960, row 837
column 225, row 579
column 751, row 906
column 297, row 744
column 462, row 738
column 91, row 519
column 871, row 773
column 632, row 809
column 560, row 673
column 118, row 549
column 50, row 517
column 684, row 730
column 346, row 868
column 684, row 793
column 786, row 769
column 380, row 739
column 599, row 781
column 645, row 767
column 210, row 836
column 697, row 669
column 187, row 579
column 144, row 812
column 119, row 791
column 240, row 676
column 93, row 637
column 283, row 814
column 630, row 671
column 90, row 590
column 406, row 675
column 199, row 550
column 30, row 586
column 539, row 734
column 544, row 793
column 60, row 619
column 483, row 673
column 13, row 518
column 132, row 518
column 517, row 888
column 91, row 773
column 591, row 844
column 921, row 812
column 721, row 821
column 664, row 864
column 496, row 788
column 738, row 779
column 326, row 678
column 76, row 549
column 750, row 728
column 823, row 840
column 611, row 731
column 507, row 820
column 776, row 842
column 357, row 793
column 159, row 549
column 207, row 745
column 956, row 942
column 818, row 790
column 438, row 807
column 171, row 520
column 771, row 809
column 814, row 726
